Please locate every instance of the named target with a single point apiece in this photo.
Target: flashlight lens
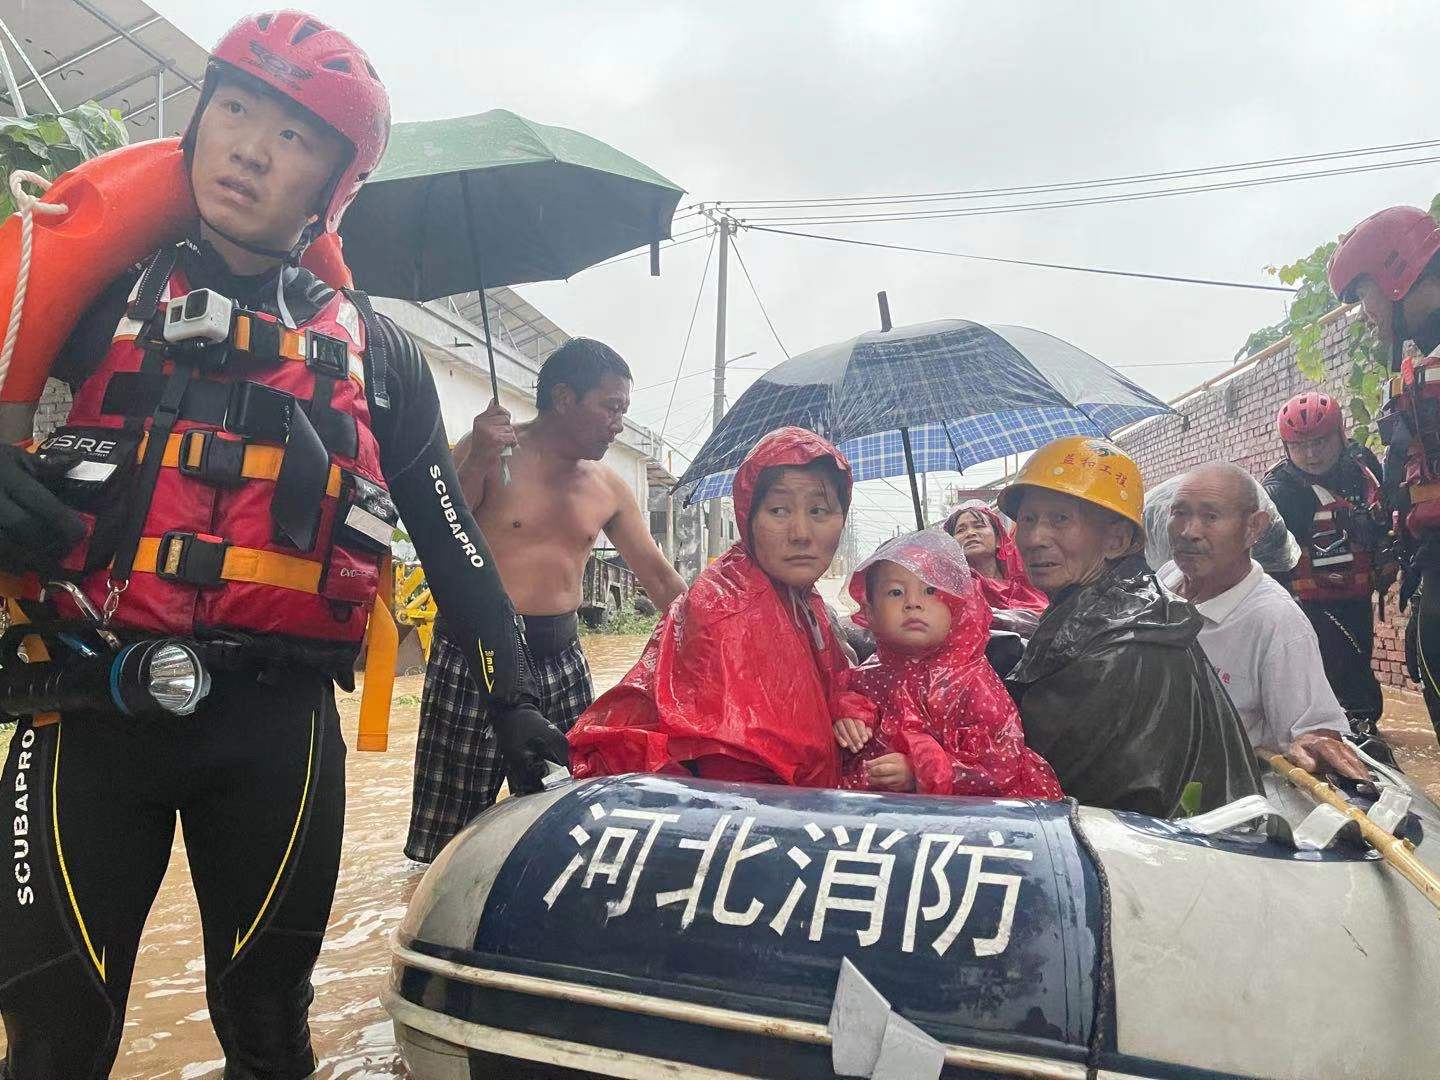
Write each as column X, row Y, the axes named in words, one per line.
column 176, row 679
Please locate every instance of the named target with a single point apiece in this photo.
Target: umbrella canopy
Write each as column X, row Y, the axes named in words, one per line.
column 543, row 203
column 966, row 393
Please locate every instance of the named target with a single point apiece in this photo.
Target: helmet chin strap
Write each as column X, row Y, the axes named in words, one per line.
column 256, row 249
column 286, row 258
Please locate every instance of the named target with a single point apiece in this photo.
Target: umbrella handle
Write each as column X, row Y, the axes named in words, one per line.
column 505, row 452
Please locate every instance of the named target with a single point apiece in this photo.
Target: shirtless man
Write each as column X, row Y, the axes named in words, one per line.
column 541, row 528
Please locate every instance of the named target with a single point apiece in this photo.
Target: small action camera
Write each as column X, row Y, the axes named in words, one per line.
column 200, row 317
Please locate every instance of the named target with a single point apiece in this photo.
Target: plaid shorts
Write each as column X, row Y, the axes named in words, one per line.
column 458, row 770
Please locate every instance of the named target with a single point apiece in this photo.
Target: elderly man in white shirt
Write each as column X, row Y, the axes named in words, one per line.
column 1255, row 635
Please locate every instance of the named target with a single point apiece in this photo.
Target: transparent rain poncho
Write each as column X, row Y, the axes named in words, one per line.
column 945, row 709
column 1276, row 550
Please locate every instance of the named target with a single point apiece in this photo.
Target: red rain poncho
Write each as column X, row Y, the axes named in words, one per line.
column 732, row 684
column 1012, row 590
column 946, row 710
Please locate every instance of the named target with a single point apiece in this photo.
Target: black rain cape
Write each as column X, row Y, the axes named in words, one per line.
column 1116, row 694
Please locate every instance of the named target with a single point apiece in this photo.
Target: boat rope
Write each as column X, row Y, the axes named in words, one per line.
column 1104, row 992
column 27, row 206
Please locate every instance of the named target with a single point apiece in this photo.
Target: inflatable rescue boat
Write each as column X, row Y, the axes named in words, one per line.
column 642, row 926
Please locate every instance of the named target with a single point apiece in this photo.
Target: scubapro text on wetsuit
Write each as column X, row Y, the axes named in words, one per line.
column 20, row 826
column 446, row 504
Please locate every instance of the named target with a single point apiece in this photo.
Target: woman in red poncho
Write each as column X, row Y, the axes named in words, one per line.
column 743, row 679
column 990, row 550
column 947, row 725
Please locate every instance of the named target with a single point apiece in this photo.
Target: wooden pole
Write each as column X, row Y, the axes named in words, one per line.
column 1396, row 851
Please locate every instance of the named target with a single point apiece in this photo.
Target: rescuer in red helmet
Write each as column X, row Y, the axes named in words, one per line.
column 1327, row 489
column 218, row 509
column 1390, row 264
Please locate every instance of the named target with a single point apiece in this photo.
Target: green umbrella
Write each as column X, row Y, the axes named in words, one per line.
column 476, row 202
column 546, row 201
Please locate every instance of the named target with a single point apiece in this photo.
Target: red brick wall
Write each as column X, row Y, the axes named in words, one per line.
column 1235, row 421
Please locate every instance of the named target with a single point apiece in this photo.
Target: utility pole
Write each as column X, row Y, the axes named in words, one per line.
column 715, row 518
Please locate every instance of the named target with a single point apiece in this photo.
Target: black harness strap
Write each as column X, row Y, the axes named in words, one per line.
column 153, row 280
column 162, row 423
column 377, row 356
column 245, row 408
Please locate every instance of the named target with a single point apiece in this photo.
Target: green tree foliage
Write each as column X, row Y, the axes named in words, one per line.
column 1313, row 300
column 51, row 143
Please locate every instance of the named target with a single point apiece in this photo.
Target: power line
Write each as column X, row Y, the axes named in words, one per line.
column 1021, row 262
column 693, row 375
column 892, row 515
column 699, row 295
column 1075, row 185
column 688, row 236
column 760, row 303
column 1097, row 200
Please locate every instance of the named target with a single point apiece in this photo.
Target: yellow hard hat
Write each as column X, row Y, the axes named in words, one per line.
column 1094, row 470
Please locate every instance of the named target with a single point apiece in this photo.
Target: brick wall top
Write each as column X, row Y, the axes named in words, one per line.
column 1235, row 421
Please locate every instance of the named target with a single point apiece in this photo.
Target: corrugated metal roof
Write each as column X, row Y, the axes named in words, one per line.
column 102, row 50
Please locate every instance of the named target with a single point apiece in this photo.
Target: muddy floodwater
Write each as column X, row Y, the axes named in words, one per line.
column 168, row 1034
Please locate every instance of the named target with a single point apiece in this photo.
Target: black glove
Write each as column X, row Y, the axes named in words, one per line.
column 36, row 528
column 526, row 741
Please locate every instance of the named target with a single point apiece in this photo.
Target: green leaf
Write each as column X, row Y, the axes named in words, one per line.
column 1190, row 798
column 51, row 143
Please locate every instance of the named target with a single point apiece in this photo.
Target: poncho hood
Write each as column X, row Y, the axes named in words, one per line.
column 787, row 446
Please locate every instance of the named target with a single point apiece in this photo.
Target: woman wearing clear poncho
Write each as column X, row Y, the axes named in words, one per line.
column 744, row 678
column 1114, row 689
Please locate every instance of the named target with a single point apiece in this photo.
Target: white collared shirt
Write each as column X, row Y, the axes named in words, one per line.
column 1264, row 650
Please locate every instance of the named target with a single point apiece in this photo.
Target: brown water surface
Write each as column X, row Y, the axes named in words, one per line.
column 168, row 1035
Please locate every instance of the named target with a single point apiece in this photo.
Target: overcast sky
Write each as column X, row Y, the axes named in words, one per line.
column 747, row 100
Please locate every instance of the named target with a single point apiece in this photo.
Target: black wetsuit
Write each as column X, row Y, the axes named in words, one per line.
column 1346, row 628
column 256, row 777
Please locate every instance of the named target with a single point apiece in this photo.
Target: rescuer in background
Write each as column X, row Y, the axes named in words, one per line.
column 1327, row 488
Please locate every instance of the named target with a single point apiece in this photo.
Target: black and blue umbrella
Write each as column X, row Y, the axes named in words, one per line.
column 958, row 392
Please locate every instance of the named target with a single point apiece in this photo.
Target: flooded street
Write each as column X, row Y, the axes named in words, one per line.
column 168, row 1035
column 168, row 1026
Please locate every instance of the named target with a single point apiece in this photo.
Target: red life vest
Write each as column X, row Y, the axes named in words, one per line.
column 1415, row 396
column 1334, row 564
column 210, row 558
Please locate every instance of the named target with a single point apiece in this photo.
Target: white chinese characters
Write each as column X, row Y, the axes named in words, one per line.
column 853, row 874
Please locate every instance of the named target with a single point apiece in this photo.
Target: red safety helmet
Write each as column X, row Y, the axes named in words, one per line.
column 1393, row 247
column 324, row 72
column 1308, row 416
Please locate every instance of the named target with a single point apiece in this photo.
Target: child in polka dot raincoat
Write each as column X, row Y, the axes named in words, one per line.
column 947, row 725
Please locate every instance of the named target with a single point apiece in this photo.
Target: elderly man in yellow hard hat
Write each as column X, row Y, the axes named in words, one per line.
column 1114, row 689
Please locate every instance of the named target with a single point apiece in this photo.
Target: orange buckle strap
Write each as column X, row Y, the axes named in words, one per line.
column 220, row 458
column 254, row 332
column 197, row 559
